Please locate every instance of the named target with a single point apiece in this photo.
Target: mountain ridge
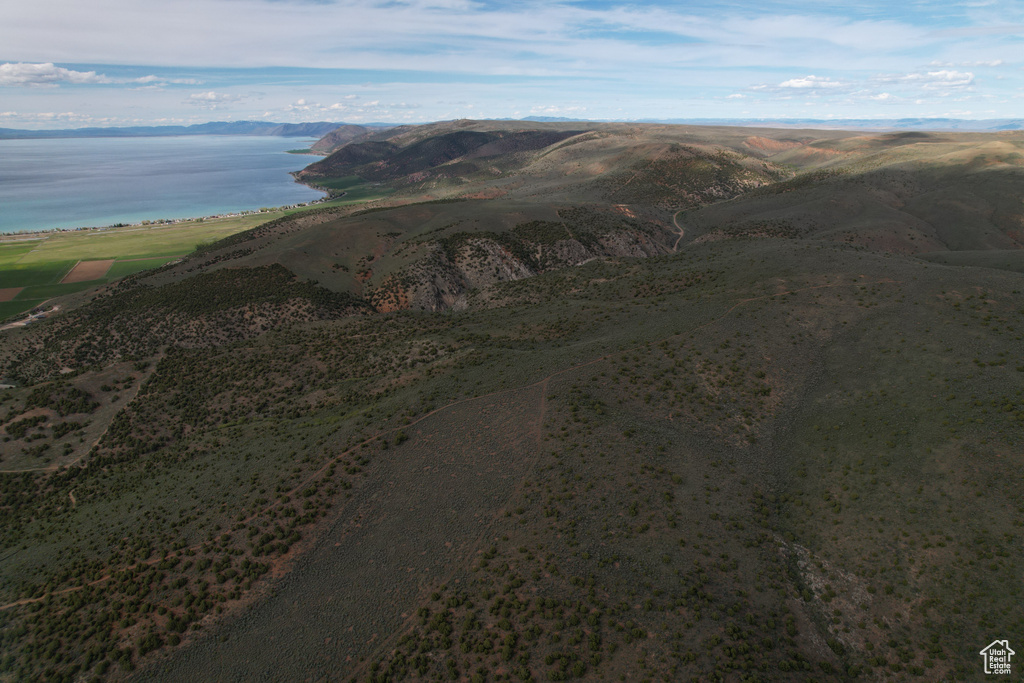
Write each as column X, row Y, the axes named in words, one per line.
column 263, row 128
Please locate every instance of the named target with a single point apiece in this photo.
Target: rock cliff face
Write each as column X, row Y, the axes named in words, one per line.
column 456, row 266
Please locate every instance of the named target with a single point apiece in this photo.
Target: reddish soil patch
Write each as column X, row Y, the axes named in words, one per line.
column 9, row 293
column 87, row 270
column 771, row 146
column 394, row 300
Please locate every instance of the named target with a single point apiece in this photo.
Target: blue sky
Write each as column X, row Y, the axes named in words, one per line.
column 67, row 63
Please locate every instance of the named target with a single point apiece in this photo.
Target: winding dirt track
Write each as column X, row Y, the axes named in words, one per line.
column 130, row 394
column 675, row 222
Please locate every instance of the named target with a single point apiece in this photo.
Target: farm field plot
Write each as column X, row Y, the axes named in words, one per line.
column 39, row 273
column 11, row 252
column 138, row 241
column 42, row 268
column 12, row 308
column 87, row 270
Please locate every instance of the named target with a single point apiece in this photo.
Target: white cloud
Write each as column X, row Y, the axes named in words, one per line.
column 64, row 117
column 212, row 96
column 160, row 80
column 45, row 75
column 811, row 82
column 213, row 99
column 48, row 75
column 968, row 65
column 554, row 110
column 931, row 80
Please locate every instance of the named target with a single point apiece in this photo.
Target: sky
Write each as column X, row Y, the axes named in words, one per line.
column 75, row 63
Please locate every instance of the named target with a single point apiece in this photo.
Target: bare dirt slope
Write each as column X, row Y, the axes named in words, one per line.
column 416, row 525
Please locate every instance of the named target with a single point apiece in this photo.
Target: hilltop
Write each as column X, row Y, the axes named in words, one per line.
column 563, row 401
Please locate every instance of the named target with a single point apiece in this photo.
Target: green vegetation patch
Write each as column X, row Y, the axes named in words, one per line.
column 63, row 398
column 12, row 253
column 48, row 291
column 228, row 288
column 542, row 232
column 9, row 309
column 140, row 242
column 25, row 275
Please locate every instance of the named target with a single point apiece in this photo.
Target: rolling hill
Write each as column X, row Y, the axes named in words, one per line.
column 573, row 401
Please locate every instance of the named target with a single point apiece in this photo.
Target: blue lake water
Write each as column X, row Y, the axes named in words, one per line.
column 74, row 183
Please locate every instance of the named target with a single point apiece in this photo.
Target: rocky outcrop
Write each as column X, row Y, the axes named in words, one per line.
column 462, row 263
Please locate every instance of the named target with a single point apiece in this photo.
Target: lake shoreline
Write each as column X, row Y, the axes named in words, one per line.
column 31, row 235
column 53, row 186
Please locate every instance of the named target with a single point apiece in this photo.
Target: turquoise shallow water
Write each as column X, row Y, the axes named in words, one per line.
column 74, row 183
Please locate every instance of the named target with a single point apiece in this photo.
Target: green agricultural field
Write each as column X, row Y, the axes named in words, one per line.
column 39, row 264
column 140, row 241
column 11, row 308
column 12, row 253
column 39, row 273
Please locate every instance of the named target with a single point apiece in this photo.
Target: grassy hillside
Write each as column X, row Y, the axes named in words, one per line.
column 538, row 431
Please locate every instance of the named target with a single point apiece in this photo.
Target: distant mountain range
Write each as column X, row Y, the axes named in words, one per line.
column 321, row 128
column 288, row 130
column 929, row 124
